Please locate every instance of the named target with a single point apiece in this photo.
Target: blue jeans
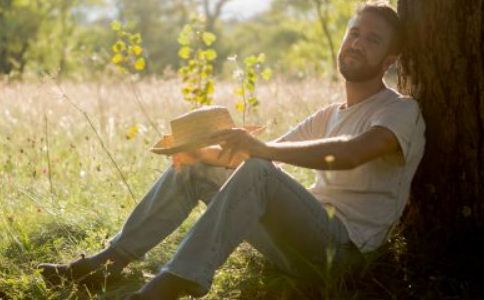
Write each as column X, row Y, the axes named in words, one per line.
column 258, row 203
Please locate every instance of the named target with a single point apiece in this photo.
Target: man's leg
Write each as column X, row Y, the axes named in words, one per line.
column 162, row 209
column 166, row 206
column 257, row 194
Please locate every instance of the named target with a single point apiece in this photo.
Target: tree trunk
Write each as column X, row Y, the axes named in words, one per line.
column 442, row 66
column 322, row 13
column 212, row 15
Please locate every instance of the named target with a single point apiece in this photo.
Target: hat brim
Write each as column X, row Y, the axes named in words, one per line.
column 169, row 150
column 165, row 145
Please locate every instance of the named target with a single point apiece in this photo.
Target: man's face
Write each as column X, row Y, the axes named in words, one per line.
column 364, row 52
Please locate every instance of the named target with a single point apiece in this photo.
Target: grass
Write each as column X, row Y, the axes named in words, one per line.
column 62, row 192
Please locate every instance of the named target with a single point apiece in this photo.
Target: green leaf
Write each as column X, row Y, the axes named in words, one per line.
column 135, row 38
column 208, row 69
column 116, row 25
column 239, row 106
column 210, row 54
column 123, row 34
column 250, row 61
column 200, row 54
column 251, row 76
column 253, row 101
column 186, row 91
column 266, row 74
column 183, row 71
column 183, row 40
column 208, row 38
column 200, row 99
column 185, row 35
column 210, row 87
column 239, row 91
column 250, row 86
column 185, row 52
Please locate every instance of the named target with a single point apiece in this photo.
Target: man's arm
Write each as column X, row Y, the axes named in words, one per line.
column 322, row 154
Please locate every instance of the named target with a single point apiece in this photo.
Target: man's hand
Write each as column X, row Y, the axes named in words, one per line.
column 236, row 145
column 238, row 141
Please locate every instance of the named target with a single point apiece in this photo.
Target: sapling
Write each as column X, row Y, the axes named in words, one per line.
column 247, row 76
column 128, row 57
column 196, row 72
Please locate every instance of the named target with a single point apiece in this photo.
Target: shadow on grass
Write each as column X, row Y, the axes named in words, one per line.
column 391, row 272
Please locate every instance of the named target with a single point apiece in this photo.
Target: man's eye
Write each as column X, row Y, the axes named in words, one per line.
column 373, row 41
column 353, row 34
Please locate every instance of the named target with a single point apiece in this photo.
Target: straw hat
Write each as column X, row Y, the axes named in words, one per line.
column 193, row 130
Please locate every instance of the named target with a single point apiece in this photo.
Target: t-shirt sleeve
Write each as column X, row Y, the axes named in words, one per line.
column 309, row 129
column 401, row 118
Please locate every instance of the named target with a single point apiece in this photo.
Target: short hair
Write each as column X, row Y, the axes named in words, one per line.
column 390, row 15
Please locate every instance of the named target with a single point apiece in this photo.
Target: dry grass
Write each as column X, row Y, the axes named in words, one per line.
column 55, row 213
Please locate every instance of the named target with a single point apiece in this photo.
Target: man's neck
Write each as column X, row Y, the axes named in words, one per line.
column 357, row 92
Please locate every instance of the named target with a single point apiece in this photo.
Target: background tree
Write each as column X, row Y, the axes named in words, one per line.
column 322, row 8
column 443, row 67
column 19, row 23
column 41, row 36
column 212, row 11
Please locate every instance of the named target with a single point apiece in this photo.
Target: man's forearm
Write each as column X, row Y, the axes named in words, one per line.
column 318, row 154
column 324, row 154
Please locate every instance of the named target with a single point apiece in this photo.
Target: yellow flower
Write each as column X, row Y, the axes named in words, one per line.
column 132, row 132
column 136, row 50
column 119, row 46
column 117, row 58
column 140, row 64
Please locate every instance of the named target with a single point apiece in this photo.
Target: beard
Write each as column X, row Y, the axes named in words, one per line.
column 360, row 72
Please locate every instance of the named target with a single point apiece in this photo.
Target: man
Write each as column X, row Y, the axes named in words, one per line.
column 365, row 152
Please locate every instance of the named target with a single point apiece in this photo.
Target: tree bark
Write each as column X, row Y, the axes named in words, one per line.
column 213, row 15
column 442, row 66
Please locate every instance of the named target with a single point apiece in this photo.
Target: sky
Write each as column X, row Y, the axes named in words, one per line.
column 234, row 9
column 242, row 9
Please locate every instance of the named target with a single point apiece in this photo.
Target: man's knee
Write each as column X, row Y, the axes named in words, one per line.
column 202, row 171
column 255, row 164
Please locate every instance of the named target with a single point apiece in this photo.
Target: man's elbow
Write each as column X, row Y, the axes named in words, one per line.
column 342, row 161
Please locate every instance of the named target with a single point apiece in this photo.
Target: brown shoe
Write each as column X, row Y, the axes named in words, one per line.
column 93, row 271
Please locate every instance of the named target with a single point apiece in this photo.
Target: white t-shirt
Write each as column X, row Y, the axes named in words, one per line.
column 370, row 198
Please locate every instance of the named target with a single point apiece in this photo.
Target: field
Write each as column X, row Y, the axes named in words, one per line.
column 65, row 149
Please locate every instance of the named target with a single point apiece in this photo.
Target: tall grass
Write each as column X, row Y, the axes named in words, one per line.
column 61, row 195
